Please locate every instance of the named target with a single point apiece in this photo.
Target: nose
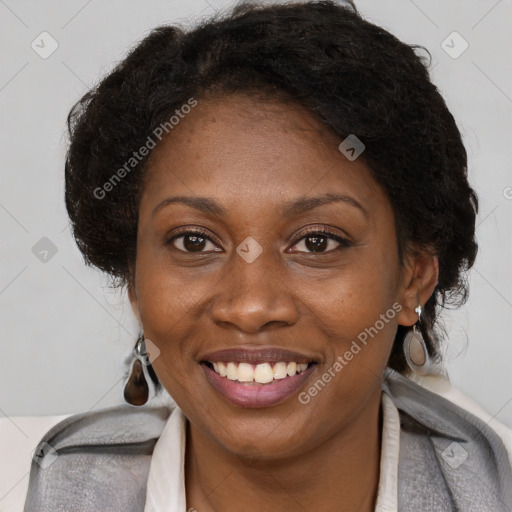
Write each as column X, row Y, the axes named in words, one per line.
column 254, row 296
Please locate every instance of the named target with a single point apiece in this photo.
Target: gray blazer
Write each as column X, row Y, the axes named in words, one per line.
column 449, row 459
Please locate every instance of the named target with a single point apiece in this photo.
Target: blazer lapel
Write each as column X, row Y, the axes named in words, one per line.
column 449, row 460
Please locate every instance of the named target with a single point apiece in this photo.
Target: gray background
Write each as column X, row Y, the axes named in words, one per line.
column 66, row 335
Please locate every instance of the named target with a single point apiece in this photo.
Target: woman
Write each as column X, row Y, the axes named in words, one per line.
column 284, row 194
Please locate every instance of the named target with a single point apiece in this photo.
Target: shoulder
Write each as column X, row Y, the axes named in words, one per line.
column 26, row 444
column 450, row 455
column 118, row 425
column 19, row 437
column 440, row 385
column 435, row 402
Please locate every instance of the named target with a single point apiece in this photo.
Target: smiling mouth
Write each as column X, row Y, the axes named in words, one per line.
column 254, row 374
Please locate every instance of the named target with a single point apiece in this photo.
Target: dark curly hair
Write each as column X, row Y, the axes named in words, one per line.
column 352, row 75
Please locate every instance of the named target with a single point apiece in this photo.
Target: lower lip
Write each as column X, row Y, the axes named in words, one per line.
column 253, row 394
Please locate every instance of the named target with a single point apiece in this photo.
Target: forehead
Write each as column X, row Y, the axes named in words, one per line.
column 237, row 149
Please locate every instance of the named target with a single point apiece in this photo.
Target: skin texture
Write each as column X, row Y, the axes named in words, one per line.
column 252, row 158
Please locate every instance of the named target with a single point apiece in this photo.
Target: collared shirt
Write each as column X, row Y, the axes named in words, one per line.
column 166, row 481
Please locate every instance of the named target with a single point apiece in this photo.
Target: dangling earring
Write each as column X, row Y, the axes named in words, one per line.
column 136, row 389
column 415, row 349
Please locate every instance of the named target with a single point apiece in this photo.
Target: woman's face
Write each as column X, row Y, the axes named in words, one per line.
column 261, row 284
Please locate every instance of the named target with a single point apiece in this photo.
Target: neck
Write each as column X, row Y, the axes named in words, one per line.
column 340, row 474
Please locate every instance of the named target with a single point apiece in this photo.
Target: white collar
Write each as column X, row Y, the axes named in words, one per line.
column 166, row 481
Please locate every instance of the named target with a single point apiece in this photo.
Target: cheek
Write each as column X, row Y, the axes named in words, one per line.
column 172, row 305
column 168, row 298
column 358, row 320
column 359, row 338
column 355, row 297
column 357, row 313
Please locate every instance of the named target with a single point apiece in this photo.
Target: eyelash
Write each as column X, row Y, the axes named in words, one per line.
column 344, row 243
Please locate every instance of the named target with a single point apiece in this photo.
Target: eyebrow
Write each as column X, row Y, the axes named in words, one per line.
column 291, row 208
column 203, row 204
column 305, row 204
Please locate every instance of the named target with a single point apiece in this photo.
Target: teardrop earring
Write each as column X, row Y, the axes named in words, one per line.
column 136, row 389
column 415, row 349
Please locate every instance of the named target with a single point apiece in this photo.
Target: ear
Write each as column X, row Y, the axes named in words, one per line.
column 132, row 295
column 419, row 279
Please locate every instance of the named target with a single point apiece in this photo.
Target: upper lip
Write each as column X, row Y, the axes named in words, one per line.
column 257, row 355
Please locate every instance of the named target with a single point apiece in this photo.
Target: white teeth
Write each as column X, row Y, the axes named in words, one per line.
column 280, row 371
column 232, row 371
column 262, row 373
column 222, row 369
column 245, row 372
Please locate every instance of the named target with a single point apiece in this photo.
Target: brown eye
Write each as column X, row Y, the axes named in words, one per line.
column 320, row 242
column 316, row 243
column 193, row 242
